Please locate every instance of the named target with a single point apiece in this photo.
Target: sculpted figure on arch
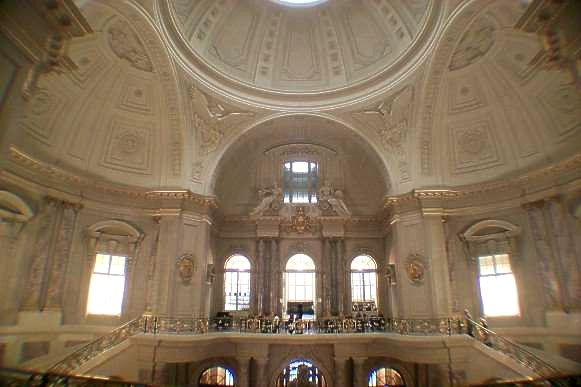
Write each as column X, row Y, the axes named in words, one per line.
column 331, row 200
column 270, row 201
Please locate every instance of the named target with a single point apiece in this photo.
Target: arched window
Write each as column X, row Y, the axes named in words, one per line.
column 381, row 377
column 301, row 373
column 300, row 286
column 237, row 283
column 216, row 377
column 363, row 279
column 300, row 182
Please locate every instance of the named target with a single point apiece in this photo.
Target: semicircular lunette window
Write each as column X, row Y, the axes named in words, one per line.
column 299, row 3
column 381, row 377
column 217, row 377
column 301, row 373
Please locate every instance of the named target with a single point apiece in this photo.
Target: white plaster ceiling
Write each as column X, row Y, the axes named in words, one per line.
column 135, row 113
column 276, row 55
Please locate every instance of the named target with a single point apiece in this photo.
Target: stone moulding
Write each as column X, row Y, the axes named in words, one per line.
column 528, row 180
column 53, row 173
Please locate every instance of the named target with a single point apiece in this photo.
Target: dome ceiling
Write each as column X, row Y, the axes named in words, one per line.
column 279, row 52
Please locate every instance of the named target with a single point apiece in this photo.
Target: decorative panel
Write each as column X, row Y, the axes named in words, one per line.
column 473, row 146
column 129, row 146
column 233, row 43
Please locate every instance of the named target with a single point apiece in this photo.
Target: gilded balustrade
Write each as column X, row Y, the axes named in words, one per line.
column 148, row 324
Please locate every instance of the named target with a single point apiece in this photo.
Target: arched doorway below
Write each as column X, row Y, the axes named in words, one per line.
column 217, row 377
column 301, row 373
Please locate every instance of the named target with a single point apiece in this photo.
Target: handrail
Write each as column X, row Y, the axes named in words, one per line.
column 510, row 348
column 89, row 351
column 330, row 325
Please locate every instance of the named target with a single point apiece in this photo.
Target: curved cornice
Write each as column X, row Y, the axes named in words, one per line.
column 363, row 90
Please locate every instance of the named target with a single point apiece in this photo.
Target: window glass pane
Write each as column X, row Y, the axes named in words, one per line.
column 385, row 377
column 499, row 295
column 363, row 262
column 300, row 262
column 486, row 264
column 102, row 263
column 299, row 182
column 300, row 167
column 238, row 262
column 117, row 265
column 502, row 264
column 106, row 294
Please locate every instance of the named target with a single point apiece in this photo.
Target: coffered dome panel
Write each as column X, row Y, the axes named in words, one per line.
column 276, row 53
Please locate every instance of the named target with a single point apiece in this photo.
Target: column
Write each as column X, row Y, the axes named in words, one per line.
column 60, row 259
column 242, row 375
column 326, row 274
column 260, row 277
column 359, row 374
column 437, row 258
column 274, row 276
column 266, row 278
column 340, row 276
column 40, row 253
column 260, row 379
column 546, row 260
column 340, row 371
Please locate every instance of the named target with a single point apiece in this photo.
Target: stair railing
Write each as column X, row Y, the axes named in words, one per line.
column 96, row 347
column 510, row 348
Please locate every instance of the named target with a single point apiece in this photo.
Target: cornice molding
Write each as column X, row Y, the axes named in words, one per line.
column 56, row 174
column 525, row 183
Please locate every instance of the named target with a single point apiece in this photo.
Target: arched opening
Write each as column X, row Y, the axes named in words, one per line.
column 216, row 377
column 382, row 377
column 301, row 373
column 363, row 284
column 237, row 283
column 299, row 294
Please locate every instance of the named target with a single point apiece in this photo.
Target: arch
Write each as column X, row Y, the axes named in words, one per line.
column 388, row 362
column 363, row 285
column 237, row 262
column 14, row 208
column 385, row 376
column 300, row 286
column 363, row 262
column 496, row 228
column 211, row 166
column 300, row 262
column 217, row 376
column 115, row 227
column 292, row 358
column 237, row 289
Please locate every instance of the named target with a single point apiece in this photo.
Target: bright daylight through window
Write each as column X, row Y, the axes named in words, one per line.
column 299, row 3
column 107, row 285
column 497, row 286
column 300, row 182
column 237, row 283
